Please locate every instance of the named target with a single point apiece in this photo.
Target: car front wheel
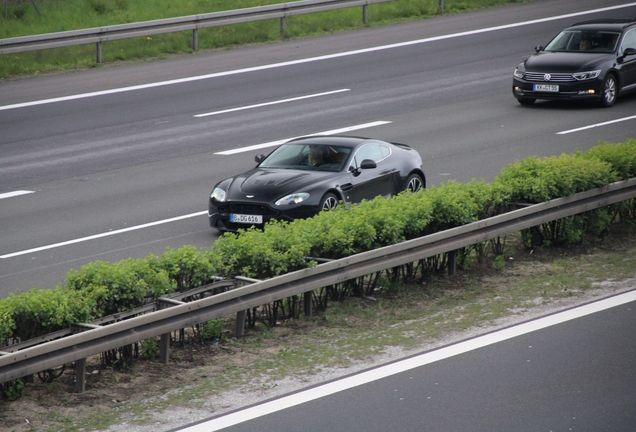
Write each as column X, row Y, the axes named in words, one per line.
column 328, row 202
column 608, row 93
column 414, row 183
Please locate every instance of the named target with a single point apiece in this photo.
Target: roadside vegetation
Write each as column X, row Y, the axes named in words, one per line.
column 24, row 18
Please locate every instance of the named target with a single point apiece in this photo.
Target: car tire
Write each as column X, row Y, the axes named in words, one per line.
column 328, row 202
column 414, row 183
column 608, row 91
column 526, row 101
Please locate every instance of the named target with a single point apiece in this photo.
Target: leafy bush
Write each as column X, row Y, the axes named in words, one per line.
column 452, row 205
column 212, row 330
column 149, row 348
column 534, row 180
column 12, row 390
column 260, row 254
column 337, row 234
column 41, row 311
column 120, row 286
column 190, row 268
column 621, row 156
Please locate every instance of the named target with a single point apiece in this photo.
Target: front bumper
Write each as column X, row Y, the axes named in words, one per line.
column 219, row 215
column 579, row 90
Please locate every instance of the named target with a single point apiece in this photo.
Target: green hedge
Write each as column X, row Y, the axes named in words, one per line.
column 622, row 157
column 39, row 312
column 100, row 289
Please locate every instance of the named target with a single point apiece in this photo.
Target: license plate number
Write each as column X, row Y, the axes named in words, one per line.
column 246, row 219
column 546, row 88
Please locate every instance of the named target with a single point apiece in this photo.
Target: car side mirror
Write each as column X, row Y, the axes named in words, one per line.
column 259, row 158
column 628, row 52
column 368, row 164
column 538, row 48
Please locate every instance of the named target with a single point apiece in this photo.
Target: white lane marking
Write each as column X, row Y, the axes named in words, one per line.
column 272, row 103
column 15, row 193
column 596, row 125
column 106, row 234
column 408, row 364
column 310, row 59
column 279, row 142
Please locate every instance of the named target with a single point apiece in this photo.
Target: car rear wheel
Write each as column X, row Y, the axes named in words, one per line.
column 526, row 101
column 608, row 93
column 328, row 202
column 414, row 183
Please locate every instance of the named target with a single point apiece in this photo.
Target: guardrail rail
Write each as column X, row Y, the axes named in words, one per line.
column 193, row 23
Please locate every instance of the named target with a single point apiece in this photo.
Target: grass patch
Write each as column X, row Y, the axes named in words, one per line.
column 51, row 16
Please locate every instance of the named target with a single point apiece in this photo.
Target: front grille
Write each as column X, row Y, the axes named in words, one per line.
column 245, row 208
column 554, row 77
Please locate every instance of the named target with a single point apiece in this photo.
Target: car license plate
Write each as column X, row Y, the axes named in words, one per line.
column 246, row 219
column 546, row 88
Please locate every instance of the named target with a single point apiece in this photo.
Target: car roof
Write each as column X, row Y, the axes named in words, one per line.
column 345, row 141
column 616, row 24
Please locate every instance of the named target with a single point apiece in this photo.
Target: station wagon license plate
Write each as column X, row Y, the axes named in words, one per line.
column 246, row 219
column 546, row 88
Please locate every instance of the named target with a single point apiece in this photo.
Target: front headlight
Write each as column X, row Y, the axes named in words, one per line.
column 293, row 199
column 519, row 73
column 218, row 194
column 586, row 75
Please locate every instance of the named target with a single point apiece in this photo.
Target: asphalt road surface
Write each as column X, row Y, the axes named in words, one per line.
column 118, row 162
column 571, row 371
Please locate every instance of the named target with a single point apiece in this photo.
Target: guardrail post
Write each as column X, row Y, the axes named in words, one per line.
column 80, row 365
column 240, row 324
column 452, row 262
column 240, row 281
column 164, row 348
column 307, row 303
column 98, row 48
column 440, row 8
column 195, row 40
column 365, row 14
column 283, row 27
column 80, row 375
column 164, row 342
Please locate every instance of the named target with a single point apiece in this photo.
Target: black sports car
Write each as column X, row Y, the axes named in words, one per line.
column 307, row 175
column 592, row 60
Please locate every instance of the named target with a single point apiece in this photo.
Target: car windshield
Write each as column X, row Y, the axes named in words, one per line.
column 313, row 157
column 584, row 41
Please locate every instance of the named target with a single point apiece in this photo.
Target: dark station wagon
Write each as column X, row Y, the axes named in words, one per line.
column 588, row 61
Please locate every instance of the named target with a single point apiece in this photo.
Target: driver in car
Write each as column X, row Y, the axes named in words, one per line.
column 315, row 156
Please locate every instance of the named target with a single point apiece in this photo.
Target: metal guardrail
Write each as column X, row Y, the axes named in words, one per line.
column 93, row 341
column 192, row 23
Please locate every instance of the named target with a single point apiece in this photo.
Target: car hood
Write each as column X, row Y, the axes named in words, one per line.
column 560, row 62
column 268, row 184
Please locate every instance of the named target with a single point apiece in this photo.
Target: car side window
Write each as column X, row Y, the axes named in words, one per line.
column 629, row 41
column 375, row 152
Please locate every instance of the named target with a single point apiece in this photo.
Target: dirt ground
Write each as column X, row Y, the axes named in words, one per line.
column 57, row 407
